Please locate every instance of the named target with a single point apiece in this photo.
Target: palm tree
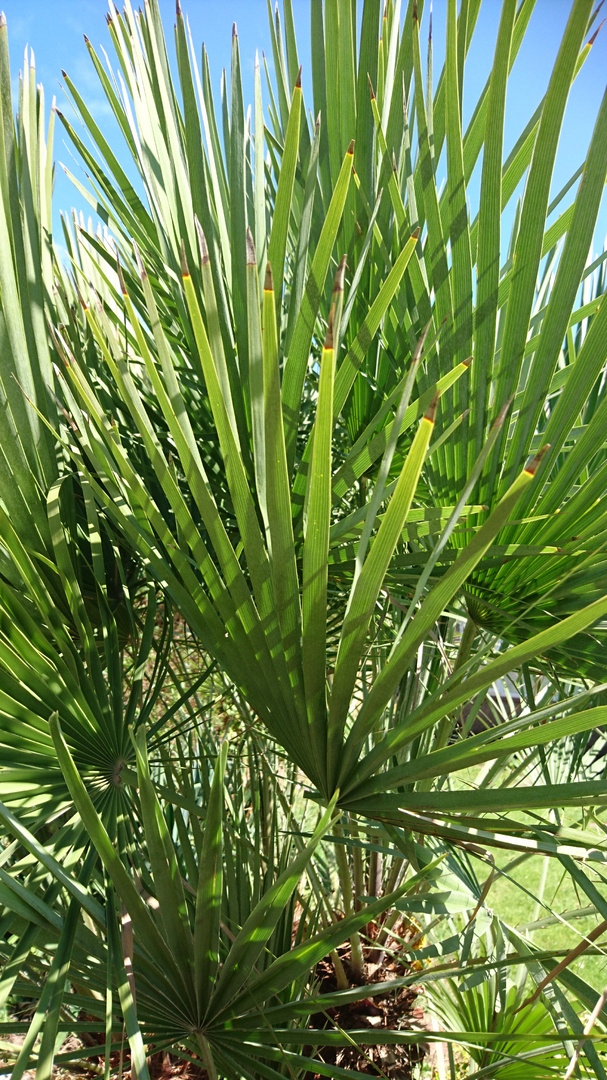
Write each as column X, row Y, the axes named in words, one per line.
column 300, row 399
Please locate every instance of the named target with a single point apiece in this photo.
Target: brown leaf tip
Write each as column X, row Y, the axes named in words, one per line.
column 298, row 79
column 467, row 361
column 234, row 30
column 251, row 256
column 592, row 40
column 202, row 242
column 351, row 148
column 87, row 41
column 415, row 15
column 338, row 285
column 535, row 462
column 415, row 233
column 268, row 284
column 430, row 412
column 185, row 271
column 371, row 90
column 178, row 10
column 421, row 341
column 329, row 337
column 141, row 268
column 501, row 416
column 64, row 73
column 121, row 277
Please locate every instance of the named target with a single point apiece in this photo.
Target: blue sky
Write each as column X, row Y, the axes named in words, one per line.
column 55, row 32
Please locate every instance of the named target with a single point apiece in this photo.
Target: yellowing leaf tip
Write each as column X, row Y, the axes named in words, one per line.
column 268, row 284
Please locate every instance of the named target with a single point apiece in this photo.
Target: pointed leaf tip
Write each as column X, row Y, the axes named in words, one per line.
column 87, row 41
column 185, row 271
column 371, row 90
column 298, row 79
column 202, row 242
column 139, row 261
column 2, row 19
column 535, row 462
column 351, row 148
column 251, row 256
column 178, row 11
column 329, row 337
column 268, row 284
column 592, row 40
column 234, row 30
column 421, row 342
column 64, row 73
column 430, row 412
column 338, row 285
column 501, row 416
column 467, row 361
column 121, row 277
column 415, row 233
column 415, row 15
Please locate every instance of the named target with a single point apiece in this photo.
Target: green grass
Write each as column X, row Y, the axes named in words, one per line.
column 512, row 898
